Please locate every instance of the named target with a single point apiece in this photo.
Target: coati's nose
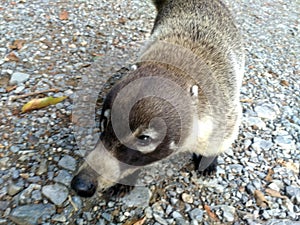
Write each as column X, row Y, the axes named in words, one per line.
column 84, row 185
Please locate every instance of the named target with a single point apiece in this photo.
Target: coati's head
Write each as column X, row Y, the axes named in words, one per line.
column 144, row 119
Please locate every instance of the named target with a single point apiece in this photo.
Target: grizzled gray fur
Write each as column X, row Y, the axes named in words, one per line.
column 183, row 97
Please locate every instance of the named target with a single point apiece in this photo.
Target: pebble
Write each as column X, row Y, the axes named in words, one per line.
column 293, row 193
column 63, row 177
column 68, row 162
column 159, row 219
column 196, row 214
column 30, row 214
column 18, row 77
column 56, row 193
column 138, row 197
column 260, row 144
column 59, row 218
column 187, row 198
column 13, row 189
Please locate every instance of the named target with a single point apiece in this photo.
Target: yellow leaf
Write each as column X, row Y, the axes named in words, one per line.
column 41, row 103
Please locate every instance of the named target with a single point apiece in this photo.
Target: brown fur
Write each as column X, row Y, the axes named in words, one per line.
column 203, row 50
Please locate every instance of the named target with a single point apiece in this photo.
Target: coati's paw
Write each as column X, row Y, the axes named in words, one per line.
column 207, row 167
column 117, row 191
column 122, row 188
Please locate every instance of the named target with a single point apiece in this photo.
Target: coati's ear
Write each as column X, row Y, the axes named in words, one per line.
column 105, row 119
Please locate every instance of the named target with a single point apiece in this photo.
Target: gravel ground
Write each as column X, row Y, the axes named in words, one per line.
column 54, row 44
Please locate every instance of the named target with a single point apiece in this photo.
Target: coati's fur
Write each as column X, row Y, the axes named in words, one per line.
column 206, row 29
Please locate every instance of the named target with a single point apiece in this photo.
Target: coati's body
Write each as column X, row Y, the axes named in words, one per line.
column 184, row 96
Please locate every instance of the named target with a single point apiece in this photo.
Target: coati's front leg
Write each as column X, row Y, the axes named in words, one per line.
column 205, row 165
column 122, row 188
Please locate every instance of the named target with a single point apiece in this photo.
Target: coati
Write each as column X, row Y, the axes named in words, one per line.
column 183, row 96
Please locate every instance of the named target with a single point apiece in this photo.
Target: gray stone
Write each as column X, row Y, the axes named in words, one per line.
column 196, row 214
column 68, row 162
column 17, row 78
column 3, row 221
column 284, row 141
column 281, row 222
column 63, row 177
column 13, row 189
column 159, row 219
column 255, row 121
column 55, row 193
column 29, row 214
column 293, row 193
column 181, row 221
column 176, row 215
column 266, row 111
column 25, row 195
column 260, row 144
column 138, row 197
column 59, row 218
column 106, row 216
column 228, row 213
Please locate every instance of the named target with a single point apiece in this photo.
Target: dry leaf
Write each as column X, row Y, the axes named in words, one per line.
column 122, row 20
column 41, row 103
column 210, row 213
column 269, row 177
column 290, row 165
column 284, row 83
column 247, row 100
column 17, row 44
column 140, row 222
column 135, row 221
column 64, row 15
column 10, row 88
column 274, row 193
column 12, row 57
column 260, row 199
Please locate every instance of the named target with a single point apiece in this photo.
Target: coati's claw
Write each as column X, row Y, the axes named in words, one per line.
column 123, row 188
column 118, row 191
column 211, row 169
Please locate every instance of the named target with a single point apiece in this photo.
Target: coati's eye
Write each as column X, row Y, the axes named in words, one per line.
column 144, row 140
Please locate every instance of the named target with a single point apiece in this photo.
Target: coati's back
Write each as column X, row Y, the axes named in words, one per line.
column 206, row 28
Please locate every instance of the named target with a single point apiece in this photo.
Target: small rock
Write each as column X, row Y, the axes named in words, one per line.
column 13, row 189
column 68, row 162
column 107, row 217
column 43, row 168
column 55, row 193
column 293, row 193
column 228, row 213
column 59, row 218
column 181, row 221
column 63, row 177
column 138, row 197
column 266, row 111
column 25, row 195
column 17, row 78
column 196, row 214
column 255, row 121
column 176, row 215
column 29, row 214
column 261, row 144
column 187, row 198
column 284, row 141
column 159, row 219
column 281, row 222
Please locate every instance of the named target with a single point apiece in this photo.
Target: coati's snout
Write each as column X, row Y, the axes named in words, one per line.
column 84, row 184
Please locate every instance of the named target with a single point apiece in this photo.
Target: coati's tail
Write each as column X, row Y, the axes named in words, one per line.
column 159, row 3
